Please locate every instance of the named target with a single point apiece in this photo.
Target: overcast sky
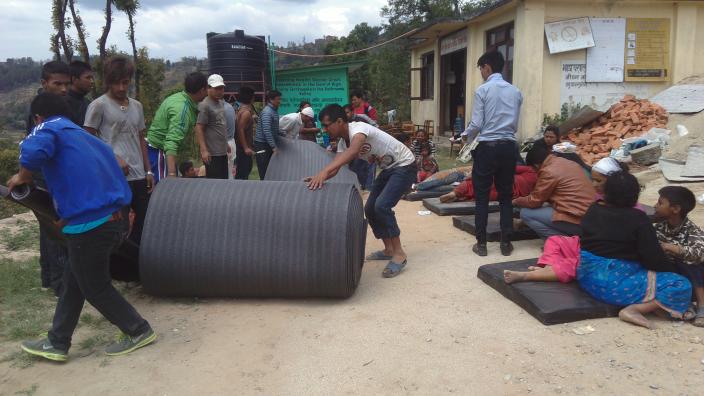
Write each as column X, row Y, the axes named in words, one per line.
column 172, row 29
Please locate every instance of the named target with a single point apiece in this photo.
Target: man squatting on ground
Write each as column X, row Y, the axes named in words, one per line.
column 361, row 140
column 497, row 105
column 90, row 194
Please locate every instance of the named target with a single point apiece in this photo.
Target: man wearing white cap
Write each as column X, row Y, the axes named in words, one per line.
column 211, row 130
column 292, row 124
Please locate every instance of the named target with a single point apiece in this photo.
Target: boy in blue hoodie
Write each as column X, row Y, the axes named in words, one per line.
column 90, row 193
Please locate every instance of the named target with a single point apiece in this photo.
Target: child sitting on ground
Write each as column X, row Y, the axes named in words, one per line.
column 187, row 170
column 682, row 240
column 427, row 165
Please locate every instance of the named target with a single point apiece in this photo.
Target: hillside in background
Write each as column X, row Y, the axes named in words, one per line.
column 19, row 82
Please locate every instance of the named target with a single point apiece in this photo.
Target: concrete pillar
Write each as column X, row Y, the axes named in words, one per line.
column 684, row 47
column 528, row 64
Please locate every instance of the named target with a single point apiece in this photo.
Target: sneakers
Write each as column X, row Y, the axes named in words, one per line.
column 480, row 249
column 126, row 344
column 44, row 349
column 506, row 248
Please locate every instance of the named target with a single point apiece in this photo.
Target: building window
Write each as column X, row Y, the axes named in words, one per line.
column 427, row 80
column 501, row 39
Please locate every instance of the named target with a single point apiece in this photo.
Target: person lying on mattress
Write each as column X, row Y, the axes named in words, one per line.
column 624, row 265
column 564, row 186
column 444, row 178
column 682, row 240
column 523, row 183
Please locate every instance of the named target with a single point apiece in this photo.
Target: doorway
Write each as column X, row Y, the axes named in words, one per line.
column 452, row 89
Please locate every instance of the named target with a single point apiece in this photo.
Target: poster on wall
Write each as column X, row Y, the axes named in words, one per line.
column 319, row 87
column 576, row 91
column 647, row 49
column 569, row 35
column 605, row 60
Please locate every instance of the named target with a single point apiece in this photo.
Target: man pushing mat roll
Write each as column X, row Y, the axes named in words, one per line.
column 360, row 140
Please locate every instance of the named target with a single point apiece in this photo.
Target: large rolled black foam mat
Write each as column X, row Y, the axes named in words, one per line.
column 297, row 159
column 549, row 302
column 39, row 201
column 455, row 208
column 123, row 261
column 252, row 239
column 493, row 228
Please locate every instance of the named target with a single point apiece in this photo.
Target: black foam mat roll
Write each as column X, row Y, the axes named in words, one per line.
column 252, row 239
column 297, row 159
column 39, row 201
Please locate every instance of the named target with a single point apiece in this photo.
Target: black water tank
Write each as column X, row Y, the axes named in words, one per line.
column 239, row 59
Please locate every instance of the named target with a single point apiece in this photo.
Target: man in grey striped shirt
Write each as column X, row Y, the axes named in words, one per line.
column 267, row 132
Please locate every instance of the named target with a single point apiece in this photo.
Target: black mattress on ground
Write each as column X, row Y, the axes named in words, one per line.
column 493, row 229
column 549, row 302
column 455, row 208
column 421, row 195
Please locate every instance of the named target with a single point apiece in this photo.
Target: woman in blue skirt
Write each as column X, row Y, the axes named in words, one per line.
column 622, row 262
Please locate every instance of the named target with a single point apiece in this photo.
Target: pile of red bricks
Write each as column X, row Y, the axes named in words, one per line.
column 629, row 117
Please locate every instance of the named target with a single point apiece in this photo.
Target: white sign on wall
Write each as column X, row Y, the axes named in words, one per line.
column 453, row 42
column 569, row 35
column 575, row 90
column 605, row 61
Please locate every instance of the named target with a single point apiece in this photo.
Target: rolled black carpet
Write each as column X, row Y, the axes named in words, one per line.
column 298, row 159
column 39, row 201
column 252, row 239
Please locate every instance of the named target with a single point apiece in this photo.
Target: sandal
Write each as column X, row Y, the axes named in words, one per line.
column 698, row 321
column 392, row 269
column 689, row 314
column 378, row 255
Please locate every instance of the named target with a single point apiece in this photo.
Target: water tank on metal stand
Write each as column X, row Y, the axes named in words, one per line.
column 240, row 59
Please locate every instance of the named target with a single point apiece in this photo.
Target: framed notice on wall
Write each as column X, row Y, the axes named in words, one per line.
column 569, row 35
column 647, row 49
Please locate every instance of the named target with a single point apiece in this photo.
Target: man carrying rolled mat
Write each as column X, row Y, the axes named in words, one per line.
column 361, row 140
column 90, row 194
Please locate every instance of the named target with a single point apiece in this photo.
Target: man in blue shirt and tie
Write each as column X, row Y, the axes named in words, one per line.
column 497, row 105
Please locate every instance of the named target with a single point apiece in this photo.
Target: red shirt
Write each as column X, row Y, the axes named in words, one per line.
column 523, row 183
column 367, row 109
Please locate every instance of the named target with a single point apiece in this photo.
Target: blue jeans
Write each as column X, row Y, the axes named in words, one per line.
column 387, row 190
column 540, row 221
column 453, row 177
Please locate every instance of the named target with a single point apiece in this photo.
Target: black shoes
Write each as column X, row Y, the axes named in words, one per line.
column 480, row 249
column 506, row 248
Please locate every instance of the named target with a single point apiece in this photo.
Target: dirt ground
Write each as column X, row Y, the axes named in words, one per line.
column 435, row 329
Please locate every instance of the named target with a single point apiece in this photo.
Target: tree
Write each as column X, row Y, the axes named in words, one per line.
column 81, row 30
column 415, row 12
column 130, row 7
column 152, row 75
column 102, row 41
column 60, row 40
